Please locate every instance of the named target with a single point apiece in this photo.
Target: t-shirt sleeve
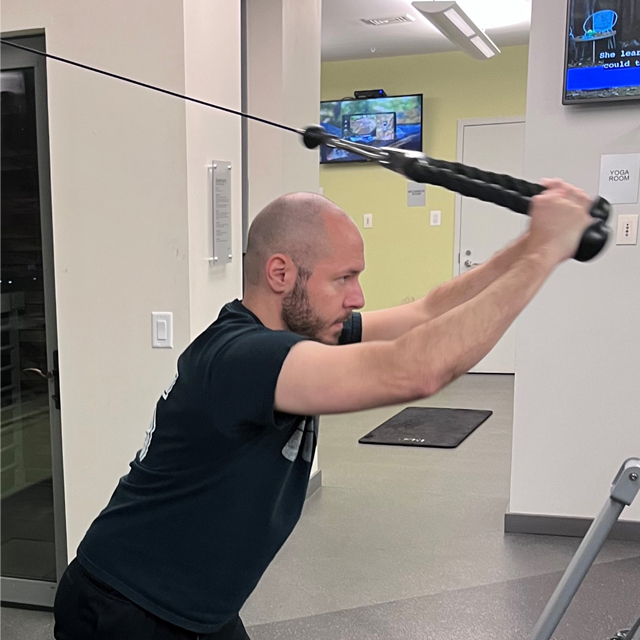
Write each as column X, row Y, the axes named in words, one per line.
column 352, row 330
column 242, row 378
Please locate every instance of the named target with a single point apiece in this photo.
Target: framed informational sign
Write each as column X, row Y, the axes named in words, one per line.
column 221, row 211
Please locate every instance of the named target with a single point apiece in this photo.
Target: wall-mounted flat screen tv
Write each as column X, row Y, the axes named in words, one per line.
column 394, row 121
column 602, row 51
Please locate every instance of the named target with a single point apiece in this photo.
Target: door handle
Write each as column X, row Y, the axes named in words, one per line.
column 470, row 265
column 56, row 382
column 46, row 376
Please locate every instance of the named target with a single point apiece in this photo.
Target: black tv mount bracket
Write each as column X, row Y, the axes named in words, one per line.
column 369, row 93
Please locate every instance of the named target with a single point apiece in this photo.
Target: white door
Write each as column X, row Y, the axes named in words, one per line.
column 485, row 228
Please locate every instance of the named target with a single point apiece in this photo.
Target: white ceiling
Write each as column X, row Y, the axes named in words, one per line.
column 345, row 37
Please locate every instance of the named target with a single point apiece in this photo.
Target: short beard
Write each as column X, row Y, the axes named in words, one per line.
column 297, row 312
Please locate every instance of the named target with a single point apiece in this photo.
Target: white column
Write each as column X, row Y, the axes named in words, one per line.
column 283, row 46
column 212, row 73
column 283, row 77
column 577, row 397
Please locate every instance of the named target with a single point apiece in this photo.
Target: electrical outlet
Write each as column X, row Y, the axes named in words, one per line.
column 368, row 220
column 627, row 229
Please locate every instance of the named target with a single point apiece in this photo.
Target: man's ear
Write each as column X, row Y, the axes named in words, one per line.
column 281, row 273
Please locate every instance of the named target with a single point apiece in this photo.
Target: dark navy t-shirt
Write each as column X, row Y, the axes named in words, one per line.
column 218, row 485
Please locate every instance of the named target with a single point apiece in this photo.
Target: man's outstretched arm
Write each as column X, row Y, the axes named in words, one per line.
column 389, row 324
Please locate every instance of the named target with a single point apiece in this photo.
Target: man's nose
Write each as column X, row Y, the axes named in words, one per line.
column 355, row 297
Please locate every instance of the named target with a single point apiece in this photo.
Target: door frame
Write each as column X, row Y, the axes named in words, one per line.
column 41, row 593
column 462, row 123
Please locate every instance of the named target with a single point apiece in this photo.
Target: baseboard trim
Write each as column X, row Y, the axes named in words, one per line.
column 566, row 526
column 315, row 482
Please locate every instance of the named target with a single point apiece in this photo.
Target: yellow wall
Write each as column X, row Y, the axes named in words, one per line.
column 406, row 257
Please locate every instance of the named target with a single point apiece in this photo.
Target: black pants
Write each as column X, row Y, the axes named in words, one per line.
column 87, row 609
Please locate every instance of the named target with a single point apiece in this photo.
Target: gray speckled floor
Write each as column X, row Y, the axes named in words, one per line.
column 605, row 604
column 409, row 543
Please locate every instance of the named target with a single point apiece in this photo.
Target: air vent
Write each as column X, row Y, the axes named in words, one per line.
column 381, row 22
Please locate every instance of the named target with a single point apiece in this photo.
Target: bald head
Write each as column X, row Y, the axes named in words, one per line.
column 295, row 225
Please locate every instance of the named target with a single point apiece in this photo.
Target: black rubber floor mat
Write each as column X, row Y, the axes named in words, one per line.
column 427, row 427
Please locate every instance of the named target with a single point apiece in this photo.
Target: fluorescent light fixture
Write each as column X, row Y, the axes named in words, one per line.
column 486, row 50
column 459, row 22
column 455, row 24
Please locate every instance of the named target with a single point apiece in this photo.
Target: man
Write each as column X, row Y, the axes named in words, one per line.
column 221, row 479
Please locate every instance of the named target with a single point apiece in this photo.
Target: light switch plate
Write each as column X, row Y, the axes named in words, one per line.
column 627, row 229
column 436, row 218
column 368, row 220
column 162, row 329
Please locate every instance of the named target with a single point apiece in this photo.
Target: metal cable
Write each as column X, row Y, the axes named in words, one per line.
column 174, row 94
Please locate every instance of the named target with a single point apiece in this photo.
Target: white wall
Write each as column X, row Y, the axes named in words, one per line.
column 212, row 63
column 284, row 86
column 130, row 222
column 577, row 398
column 264, row 99
column 301, row 42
